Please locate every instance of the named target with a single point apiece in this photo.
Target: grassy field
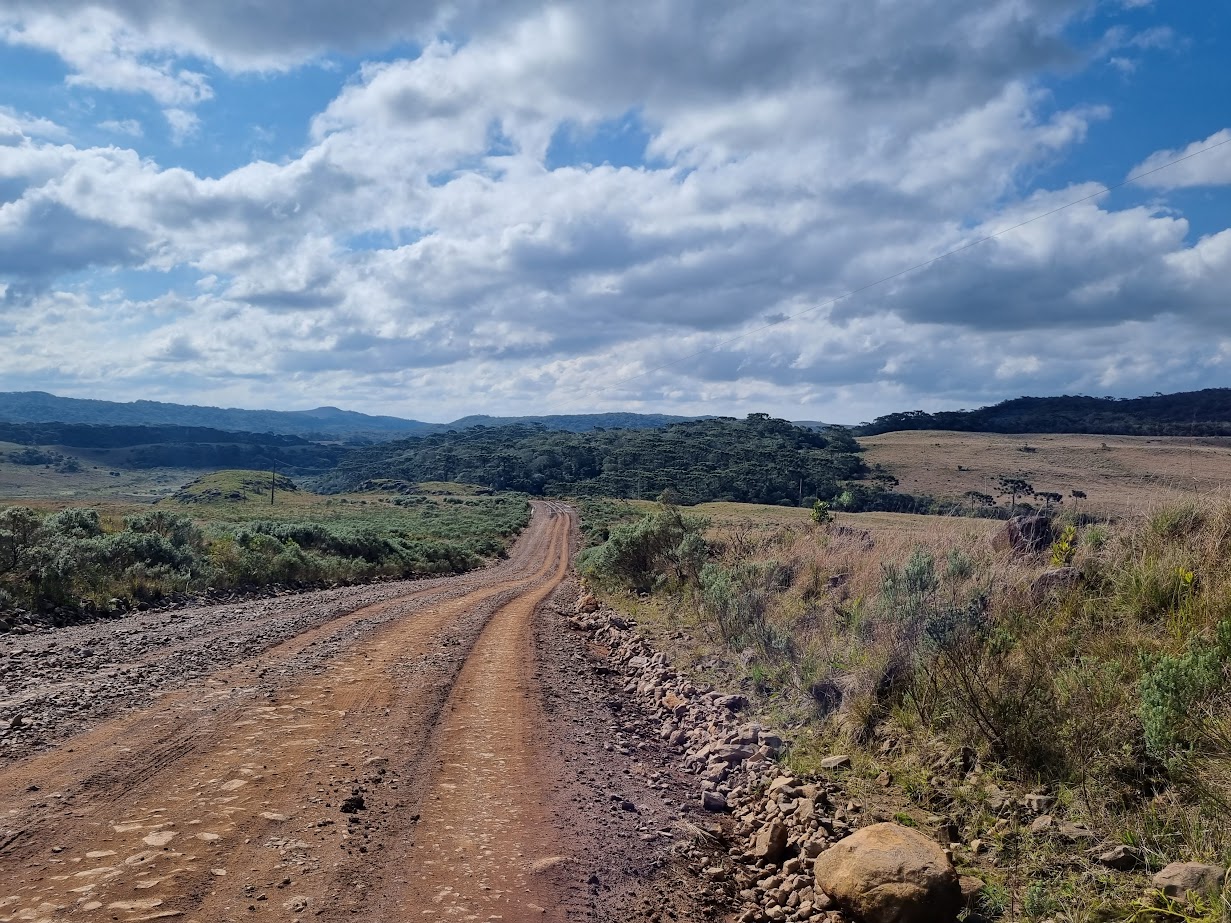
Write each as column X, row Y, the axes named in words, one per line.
column 220, row 531
column 1118, row 473
column 94, row 483
column 742, row 515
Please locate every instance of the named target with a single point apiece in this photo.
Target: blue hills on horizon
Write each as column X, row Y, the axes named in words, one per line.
column 321, row 423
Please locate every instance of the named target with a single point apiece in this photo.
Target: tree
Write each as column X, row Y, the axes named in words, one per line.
column 1049, row 497
column 20, row 531
column 670, row 497
column 1014, row 488
column 1077, row 495
column 820, row 513
column 977, row 498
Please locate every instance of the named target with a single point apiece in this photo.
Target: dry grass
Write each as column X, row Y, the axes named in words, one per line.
column 1118, row 473
column 854, row 548
column 743, row 515
column 833, row 633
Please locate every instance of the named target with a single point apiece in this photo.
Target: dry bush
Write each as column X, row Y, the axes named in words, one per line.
column 1095, row 689
column 914, row 646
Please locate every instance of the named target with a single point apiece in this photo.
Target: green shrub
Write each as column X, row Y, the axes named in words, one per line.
column 664, row 546
column 74, row 523
column 68, row 557
column 1064, row 547
column 738, row 601
column 1175, row 690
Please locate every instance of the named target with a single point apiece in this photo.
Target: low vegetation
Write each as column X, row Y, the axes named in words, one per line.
column 1103, row 687
column 222, row 532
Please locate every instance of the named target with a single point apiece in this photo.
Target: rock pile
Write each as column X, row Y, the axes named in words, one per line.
column 787, row 839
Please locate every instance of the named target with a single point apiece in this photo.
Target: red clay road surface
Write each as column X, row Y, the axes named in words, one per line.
column 382, row 764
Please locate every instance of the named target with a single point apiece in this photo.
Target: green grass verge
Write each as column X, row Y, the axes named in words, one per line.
column 222, row 531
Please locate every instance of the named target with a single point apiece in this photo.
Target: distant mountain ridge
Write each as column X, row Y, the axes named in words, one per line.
column 322, row 423
column 41, row 407
column 1189, row 413
column 162, row 445
column 577, row 422
column 1186, row 413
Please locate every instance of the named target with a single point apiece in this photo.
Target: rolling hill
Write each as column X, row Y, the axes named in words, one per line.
column 1187, row 413
column 323, row 424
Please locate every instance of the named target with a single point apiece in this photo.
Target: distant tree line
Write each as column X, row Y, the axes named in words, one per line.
column 165, row 446
column 1192, row 413
column 755, row 460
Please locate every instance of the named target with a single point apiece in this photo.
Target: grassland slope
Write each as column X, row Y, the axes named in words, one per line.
column 1119, row 474
column 1190, row 413
column 1062, row 719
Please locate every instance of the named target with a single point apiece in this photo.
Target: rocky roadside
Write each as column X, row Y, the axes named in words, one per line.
column 759, row 831
column 769, row 845
column 621, row 802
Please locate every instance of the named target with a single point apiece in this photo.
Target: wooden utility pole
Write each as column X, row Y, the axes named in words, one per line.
column 273, row 480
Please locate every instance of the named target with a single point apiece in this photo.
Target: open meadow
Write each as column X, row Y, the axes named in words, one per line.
column 1119, row 474
column 78, row 478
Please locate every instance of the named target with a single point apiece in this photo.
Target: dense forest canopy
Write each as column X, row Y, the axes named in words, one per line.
column 575, row 422
column 756, row 460
column 1191, row 413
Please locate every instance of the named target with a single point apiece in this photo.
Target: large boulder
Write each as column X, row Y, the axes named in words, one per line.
column 1180, row 879
column 887, row 873
column 1024, row 535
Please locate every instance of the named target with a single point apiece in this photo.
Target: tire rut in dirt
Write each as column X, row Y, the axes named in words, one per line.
column 54, row 685
column 251, row 774
column 479, row 842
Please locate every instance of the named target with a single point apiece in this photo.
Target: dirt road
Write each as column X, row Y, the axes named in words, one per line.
column 305, row 760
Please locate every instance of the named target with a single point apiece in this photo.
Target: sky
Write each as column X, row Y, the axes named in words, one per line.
column 824, row 211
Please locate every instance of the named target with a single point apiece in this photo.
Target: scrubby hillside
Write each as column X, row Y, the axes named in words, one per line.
column 1063, row 716
column 221, row 532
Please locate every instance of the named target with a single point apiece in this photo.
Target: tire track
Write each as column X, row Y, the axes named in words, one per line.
column 227, row 801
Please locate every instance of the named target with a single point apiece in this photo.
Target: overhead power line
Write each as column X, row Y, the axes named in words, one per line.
column 902, row 272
